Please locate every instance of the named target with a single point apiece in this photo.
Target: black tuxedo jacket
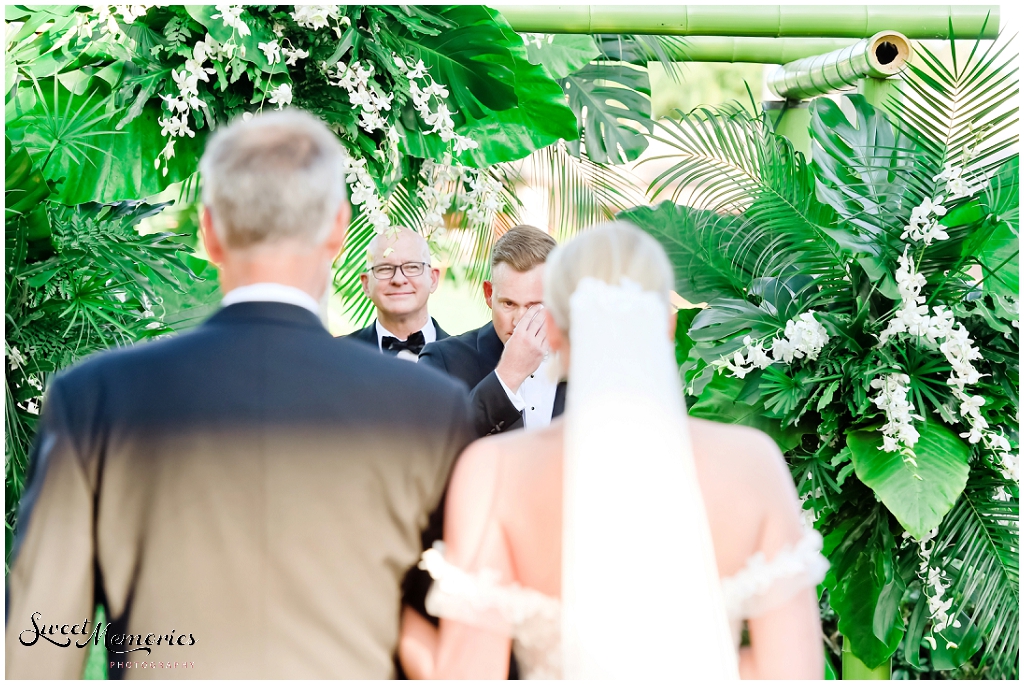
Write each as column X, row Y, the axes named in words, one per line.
column 249, row 483
column 472, row 358
column 368, row 335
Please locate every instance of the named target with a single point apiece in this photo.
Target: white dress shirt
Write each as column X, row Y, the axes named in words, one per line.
column 429, row 336
column 536, row 396
column 272, row 292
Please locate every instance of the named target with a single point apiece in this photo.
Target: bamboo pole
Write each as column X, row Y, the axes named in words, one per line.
column 883, row 55
column 855, row 669
column 793, row 120
column 752, row 50
column 823, row 21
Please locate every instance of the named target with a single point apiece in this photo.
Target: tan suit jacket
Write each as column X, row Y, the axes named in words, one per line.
column 245, row 500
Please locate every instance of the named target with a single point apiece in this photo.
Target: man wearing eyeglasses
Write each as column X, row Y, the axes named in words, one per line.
column 399, row 281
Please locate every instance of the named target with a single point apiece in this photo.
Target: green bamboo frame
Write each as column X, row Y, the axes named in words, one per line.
column 841, row 69
column 752, row 50
column 779, row 21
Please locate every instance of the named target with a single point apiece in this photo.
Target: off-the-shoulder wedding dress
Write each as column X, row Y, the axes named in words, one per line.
column 636, row 544
column 534, row 620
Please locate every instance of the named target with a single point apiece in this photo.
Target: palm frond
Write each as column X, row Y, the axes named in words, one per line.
column 978, row 547
column 642, row 49
column 578, row 191
column 62, row 124
column 963, row 114
column 732, row 163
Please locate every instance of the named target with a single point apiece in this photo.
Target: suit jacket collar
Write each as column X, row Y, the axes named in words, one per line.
column 268, row 312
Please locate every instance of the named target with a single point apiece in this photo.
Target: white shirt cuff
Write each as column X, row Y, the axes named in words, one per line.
column 517, row 400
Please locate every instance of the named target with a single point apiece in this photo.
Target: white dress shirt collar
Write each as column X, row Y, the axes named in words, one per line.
column 272, row 292
column 429, row 336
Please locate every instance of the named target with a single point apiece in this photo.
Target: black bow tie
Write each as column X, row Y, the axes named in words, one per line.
column 414, row 344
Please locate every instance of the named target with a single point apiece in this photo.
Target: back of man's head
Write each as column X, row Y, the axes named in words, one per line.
column 278, row 177
column 522, row 248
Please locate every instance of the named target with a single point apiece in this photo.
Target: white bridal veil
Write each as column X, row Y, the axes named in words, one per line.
column 640, row 589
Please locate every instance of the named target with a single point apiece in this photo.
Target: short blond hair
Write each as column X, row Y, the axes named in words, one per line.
column 522, row 248
column 608, row 252
column 275, row 177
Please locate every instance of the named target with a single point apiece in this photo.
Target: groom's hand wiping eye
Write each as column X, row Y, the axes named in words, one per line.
column 525, row 350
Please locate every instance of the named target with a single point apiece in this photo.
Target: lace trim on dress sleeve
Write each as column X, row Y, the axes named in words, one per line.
column 762, row 585
column 480, row 600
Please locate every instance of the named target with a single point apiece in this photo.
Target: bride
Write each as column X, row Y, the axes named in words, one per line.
column 624, row 540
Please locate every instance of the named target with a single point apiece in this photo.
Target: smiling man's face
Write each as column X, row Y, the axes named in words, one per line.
column 400, row 295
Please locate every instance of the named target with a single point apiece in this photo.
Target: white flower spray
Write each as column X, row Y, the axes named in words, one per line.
column 804, row 337
column 180, row 106
column 934, row 586
column 898, row 433
column 232, row 16
column 428, row 97
column 954, row 342
column 314, row 16
column 483, row 200
column 364, row 194
column 436, row 193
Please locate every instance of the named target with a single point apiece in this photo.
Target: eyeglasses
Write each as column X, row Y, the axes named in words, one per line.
column 410, row 270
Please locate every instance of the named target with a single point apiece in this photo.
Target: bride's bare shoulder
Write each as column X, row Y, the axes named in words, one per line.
column 516, row 448
column 739, row 451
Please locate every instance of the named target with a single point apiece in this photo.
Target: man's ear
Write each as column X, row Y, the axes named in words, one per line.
column 435, row 278
column 488, row 293
column 365, row 280
column 556, row 339
column 335, row 242
column 211, row 240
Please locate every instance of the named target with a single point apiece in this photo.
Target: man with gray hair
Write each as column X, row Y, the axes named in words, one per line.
column 242, row 499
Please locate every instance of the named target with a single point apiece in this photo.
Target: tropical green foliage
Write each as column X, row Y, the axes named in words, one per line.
column 70, row 105
column 112, row 105
column 77, row 279
column 827, row 283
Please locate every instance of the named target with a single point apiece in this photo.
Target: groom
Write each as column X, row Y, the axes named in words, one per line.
column 505, row 363
column 244, row 499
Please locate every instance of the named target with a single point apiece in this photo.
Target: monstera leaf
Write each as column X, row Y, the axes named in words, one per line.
column 534, row 116
column 918, row 490
column 863, row 169
column 561, row 53
column 613, row 106
column 477, row 59
column 998, row 246
column 730, row 319
column 24, row 187
column 24, row 193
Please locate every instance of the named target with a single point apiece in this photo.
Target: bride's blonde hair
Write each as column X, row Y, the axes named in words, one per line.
column 608, row 252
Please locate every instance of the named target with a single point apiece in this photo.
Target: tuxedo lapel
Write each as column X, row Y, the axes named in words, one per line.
column 559, row 406
column 366, row 335
column 441, row 335
column 489, row 347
